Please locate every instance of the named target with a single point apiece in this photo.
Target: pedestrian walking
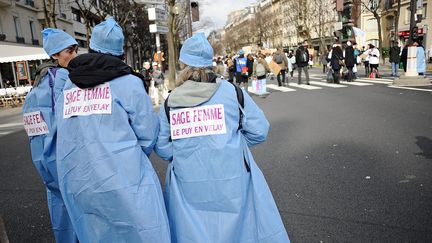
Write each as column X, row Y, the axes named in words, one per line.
column 41, row 127
column 146, row 72
column 250, row 64
column 350, row 60
column 231, row 68
column 260, row 68
column 395, row 51
column 365, row 55
column 107, row 129
column 280, row 58
column 358, row 60
column 291, row 64
column 421, row 59
column 220, row 68
column 302, row 60
column 404, row 57
column 241, row 64
column 374, row 56
column 214, row 190
column 336, row 61
column 324, row 61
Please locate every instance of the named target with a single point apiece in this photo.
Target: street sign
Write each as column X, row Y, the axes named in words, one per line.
column 158, row 28
column 157, row 14
column 150, row 2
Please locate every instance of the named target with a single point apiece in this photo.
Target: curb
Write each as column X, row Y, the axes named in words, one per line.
column 3, row 234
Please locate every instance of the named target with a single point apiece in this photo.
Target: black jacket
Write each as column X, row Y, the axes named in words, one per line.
column 91, row 69
column 337, row 55
column 394, row 54
column 349, row 56
column 297, row 56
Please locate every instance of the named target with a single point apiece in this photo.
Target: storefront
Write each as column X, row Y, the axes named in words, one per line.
column 18, row 64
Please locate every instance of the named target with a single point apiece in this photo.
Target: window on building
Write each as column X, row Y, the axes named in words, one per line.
column 17, row 26
column 76, row 15
column 32, row 30
column 371, row 25
column 1, row 28
column 425, row 11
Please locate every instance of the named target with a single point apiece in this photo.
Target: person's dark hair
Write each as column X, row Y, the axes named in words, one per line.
column 121, row 57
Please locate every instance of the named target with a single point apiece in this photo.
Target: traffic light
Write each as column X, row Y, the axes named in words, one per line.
column 194, row 11
column 347, row 21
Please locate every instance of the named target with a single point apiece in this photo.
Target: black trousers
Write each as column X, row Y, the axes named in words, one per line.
column 367, row 71
column 282, row 72
column 336, row 76
column 350, row 74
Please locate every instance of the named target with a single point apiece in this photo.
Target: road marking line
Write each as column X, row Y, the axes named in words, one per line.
column 374, row 81
column 355, row 83
column 304, row 86
column 328, row 84
column 409, row 88
column 283, row 89
column 11, row 125
column 5, row 133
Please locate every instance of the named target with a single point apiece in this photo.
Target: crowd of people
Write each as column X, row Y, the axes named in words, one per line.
column 92, row 128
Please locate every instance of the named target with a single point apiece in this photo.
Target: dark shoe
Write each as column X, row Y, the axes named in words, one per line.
column 308, row 83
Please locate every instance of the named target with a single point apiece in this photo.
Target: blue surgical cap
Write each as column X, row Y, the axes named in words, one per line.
column 55, row 41
column 197, row 52
column 241, row 52
column 107, row 37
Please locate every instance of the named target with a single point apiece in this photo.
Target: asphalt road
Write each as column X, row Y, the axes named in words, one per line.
column 349, row 164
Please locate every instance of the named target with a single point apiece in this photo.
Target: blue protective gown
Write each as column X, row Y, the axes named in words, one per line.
column 109, row 185
column 421, row 60
column 211, row 195
column 43, row 149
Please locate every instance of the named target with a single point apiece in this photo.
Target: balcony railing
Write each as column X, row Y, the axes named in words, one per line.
column 30, row 3
column 20, row 40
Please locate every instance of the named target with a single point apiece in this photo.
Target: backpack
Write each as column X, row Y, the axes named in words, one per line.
column 279, row 59
column 260, row 70
column 240, row 99
column 51, row 80
column 303, row 56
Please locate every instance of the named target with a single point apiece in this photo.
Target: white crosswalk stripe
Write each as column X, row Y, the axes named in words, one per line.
column 304, row 86
column 283, row 89
column 328, row 84
column 356, row 83
column 374, row 81
column 410, row 88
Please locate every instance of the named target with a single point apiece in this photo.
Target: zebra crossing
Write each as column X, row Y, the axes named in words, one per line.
column 318, row 83
column 8, row 128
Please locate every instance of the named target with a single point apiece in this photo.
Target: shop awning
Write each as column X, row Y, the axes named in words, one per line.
column 14, row 53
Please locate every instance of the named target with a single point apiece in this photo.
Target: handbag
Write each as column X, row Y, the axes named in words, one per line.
column 330, row 76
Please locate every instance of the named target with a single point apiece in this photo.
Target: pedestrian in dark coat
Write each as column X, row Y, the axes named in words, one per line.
column 349, row 60
column 404, row 57
column 395, row 51
column 335, row 61
column 302, row 60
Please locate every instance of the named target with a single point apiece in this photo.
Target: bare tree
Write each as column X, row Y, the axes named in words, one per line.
column 375, row 7
column 49, row 13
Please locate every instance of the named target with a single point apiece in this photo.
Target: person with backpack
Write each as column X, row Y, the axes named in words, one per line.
column 41, row 127
column 214, row 190
column 241, row 64
column 302, row 61
column 107, row 129
column 336, row 62
column 280, row 58
column 261, row 67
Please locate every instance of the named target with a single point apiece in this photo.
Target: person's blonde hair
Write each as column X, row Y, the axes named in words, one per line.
column 195, row 74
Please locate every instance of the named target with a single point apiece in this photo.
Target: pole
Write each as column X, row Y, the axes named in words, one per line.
column 413, row 10
column 1, row 80
column 28, row 73
column 158, row 50
column 14, row 74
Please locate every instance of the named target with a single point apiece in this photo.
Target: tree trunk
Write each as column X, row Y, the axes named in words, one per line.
column 396, row 34
column 53, row 14
column 171, row 45
column 413, row 10
column 380, row 41
column 47, row 18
